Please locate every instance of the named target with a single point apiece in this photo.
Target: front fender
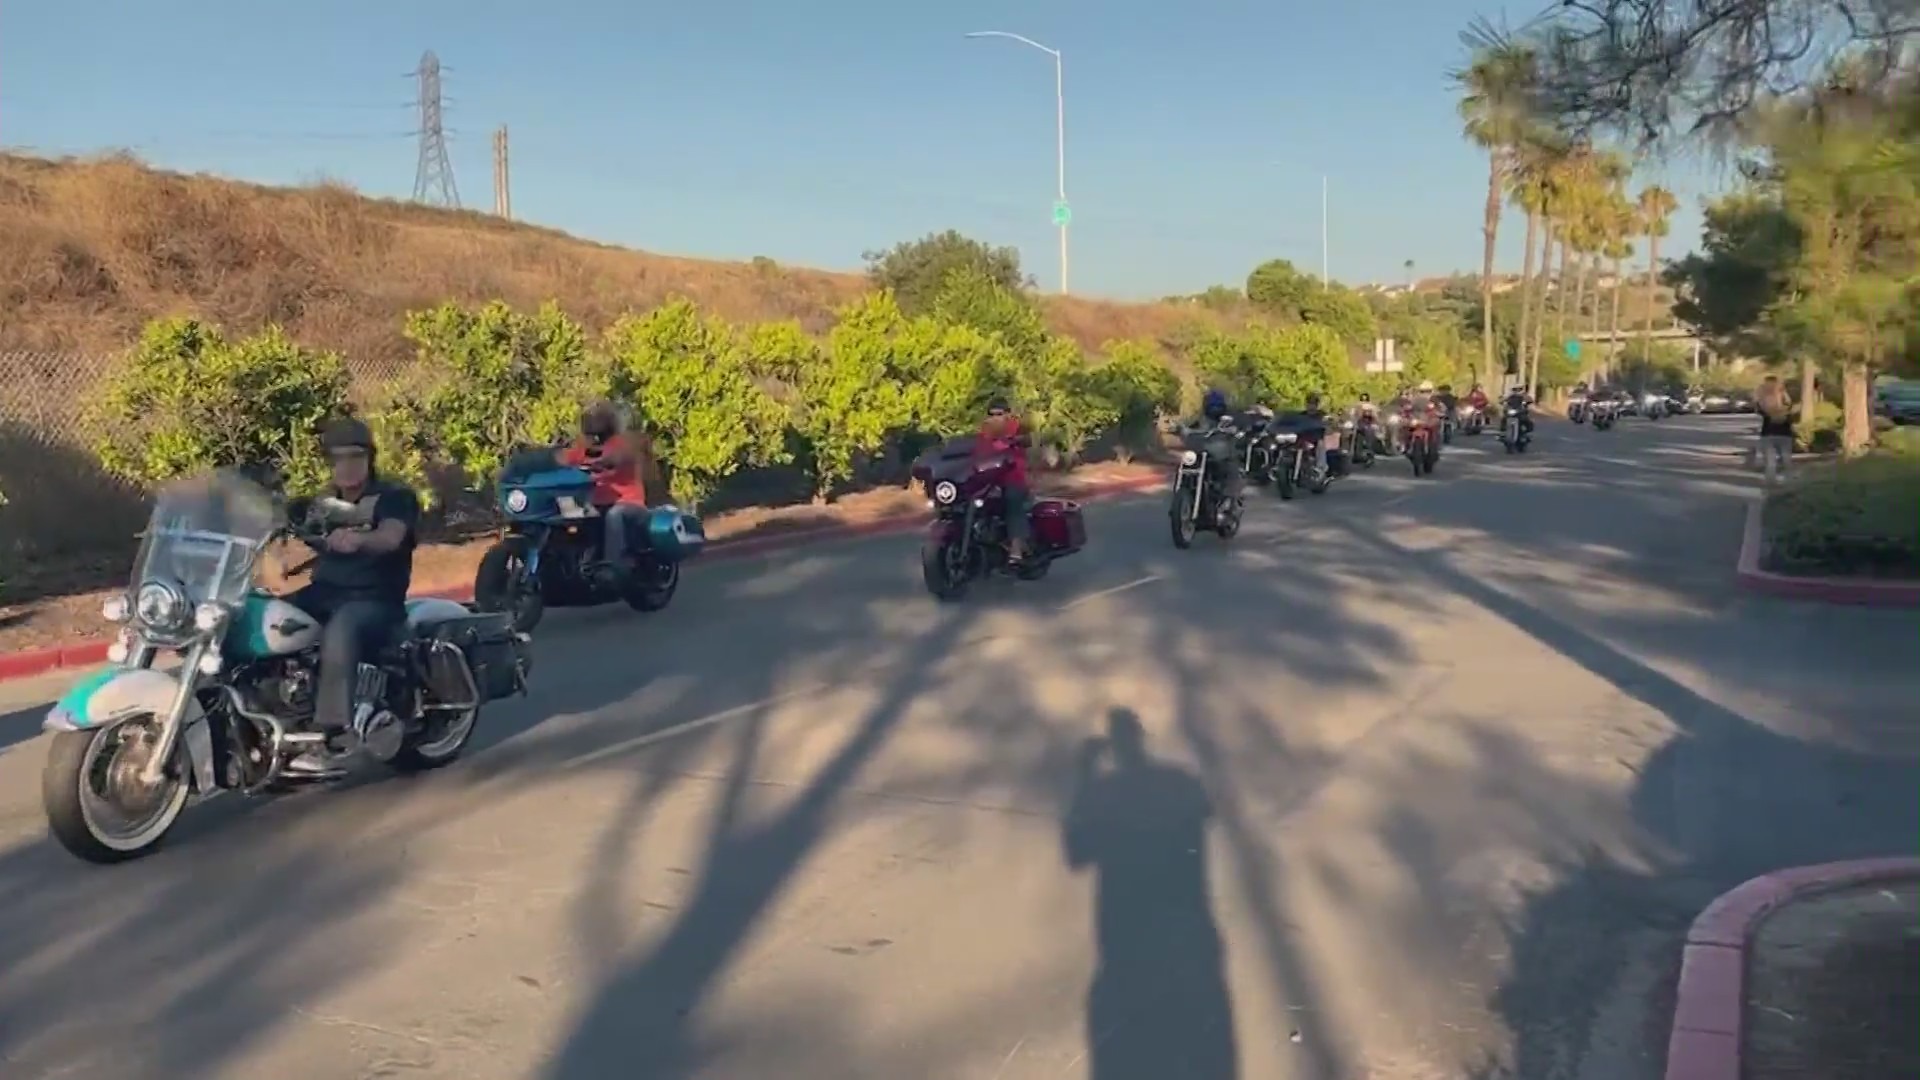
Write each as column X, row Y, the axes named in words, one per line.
column 943, row 530
column 115, row 695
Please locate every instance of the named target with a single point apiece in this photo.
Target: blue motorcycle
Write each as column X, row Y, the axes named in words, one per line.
column 554, row 551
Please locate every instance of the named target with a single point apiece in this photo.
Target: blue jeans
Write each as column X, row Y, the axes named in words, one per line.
column 626, row 530
column 353, row 632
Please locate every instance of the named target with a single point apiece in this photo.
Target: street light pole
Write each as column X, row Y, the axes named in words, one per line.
column 1060, row 135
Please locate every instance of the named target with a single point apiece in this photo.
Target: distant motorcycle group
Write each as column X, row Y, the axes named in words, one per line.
column 1603, row 407
column 1309, row 449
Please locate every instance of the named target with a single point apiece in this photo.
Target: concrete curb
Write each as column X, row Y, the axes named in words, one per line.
column 1831, row 590
column 27, row 663
column 1707, row 1014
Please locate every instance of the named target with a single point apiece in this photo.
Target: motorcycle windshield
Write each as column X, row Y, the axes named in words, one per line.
column 204, row 537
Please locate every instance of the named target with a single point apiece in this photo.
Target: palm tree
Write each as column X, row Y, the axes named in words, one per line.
column 1656, row 204
column 1408, row 266
column 1496, row 109
column 1624, row 222
column 1536, row 162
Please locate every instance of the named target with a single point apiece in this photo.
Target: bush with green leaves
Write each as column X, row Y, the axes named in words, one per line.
column 1277, row 367
column 501, row 379
column 186, row 399
column 916, row 271
column 1139, row 386
column 690, row 379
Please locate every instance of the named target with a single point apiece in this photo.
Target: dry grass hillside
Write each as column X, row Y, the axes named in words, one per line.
column 90, row 250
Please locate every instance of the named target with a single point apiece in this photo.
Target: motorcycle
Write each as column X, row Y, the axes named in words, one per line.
column 1604, row 413
column 1577, row 408
column 1449, row 423
column 554, row 550
column 1357, row 439
column 1259, row 449
column 1422, row 445
column 1653, row 406
column 133, row 745
column 1473, row 419
column 967, row 538
column 1298, row 466
column 1200, row 500
column 1513, row 432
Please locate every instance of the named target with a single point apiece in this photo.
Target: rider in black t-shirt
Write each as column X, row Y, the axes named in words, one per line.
column 359, row 585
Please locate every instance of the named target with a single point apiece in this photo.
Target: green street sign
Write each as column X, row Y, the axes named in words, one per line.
column 1062, row 215
column 1573, row 348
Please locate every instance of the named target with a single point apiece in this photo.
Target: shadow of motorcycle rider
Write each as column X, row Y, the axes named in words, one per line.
column 358, row 588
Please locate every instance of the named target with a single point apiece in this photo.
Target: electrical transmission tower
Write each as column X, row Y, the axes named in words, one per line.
column 433, row 180
column 502, row 176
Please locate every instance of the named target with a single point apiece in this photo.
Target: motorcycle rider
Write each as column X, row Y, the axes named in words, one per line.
column 1317, row 431
column 1477, row 397
column 358, row 590
column 1217, row 415
column 1000, row 437
column 1518, row 404
column 624, row 471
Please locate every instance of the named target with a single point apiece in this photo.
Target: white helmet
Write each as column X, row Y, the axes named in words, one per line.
column 1426, row 386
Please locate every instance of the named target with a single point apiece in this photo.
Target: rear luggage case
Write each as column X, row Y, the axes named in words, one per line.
column 1059, row 526
column 495, row 654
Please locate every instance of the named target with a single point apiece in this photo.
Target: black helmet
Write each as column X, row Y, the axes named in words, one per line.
column 998, row 405
column 599, row 420
column 346, row 433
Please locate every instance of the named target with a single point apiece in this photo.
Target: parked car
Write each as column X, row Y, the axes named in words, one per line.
column 1716, row 403
column 1900, row 403
column 1743, row 402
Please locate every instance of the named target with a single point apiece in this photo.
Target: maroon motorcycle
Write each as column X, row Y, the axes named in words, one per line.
column 967, row 539
column 1423, row 440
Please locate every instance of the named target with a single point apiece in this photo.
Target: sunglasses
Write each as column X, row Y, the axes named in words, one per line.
column 996, row 412
column 338, row 456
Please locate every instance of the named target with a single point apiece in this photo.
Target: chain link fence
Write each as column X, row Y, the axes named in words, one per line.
column 60, row 506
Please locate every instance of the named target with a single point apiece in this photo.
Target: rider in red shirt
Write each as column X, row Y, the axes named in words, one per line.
column 1001, row 437
column 621, row 464
column 1477, row 398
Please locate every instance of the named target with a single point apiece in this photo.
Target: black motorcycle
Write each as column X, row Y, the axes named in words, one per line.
column 1359, row 443
column 1299, row 440
column 1258, row 450
column 1603, row 413
column 1200, row 498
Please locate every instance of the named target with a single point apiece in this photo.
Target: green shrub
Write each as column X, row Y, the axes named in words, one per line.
column 1860, row 516
column 1823, row 435
column 916, row 271
column 697, row 396
column 1140, row 387
column 186, row 400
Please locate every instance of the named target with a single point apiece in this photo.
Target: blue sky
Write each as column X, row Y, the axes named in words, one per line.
column 1197, row 135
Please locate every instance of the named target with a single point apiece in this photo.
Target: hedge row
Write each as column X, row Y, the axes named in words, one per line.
column 716, row 397
column 1856, row 517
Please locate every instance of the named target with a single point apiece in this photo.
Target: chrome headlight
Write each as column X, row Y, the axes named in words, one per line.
column 160, row 606
column 1190, row 458
column 945, row 492
column 516, row 501
column 1287, row 437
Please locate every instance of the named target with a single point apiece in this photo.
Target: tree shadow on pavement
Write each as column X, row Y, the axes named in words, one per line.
column 1721, row 799
column 1158, row 1006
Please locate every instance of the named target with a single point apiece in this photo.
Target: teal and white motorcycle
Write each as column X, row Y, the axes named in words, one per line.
column 134, row 745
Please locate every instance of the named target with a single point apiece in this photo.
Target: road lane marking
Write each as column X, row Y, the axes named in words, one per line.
column 1134, row 584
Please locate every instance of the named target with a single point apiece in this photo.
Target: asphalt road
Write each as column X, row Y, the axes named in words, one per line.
column 1434, row 775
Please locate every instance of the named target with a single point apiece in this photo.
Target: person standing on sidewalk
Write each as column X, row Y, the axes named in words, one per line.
column 1776, row 427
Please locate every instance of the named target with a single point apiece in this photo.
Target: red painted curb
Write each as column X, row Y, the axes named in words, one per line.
column 1707, row 1014
column 1831, row 590
column 30, row 662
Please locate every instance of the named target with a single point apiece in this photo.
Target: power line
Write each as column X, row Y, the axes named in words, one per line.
column 433, row 177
